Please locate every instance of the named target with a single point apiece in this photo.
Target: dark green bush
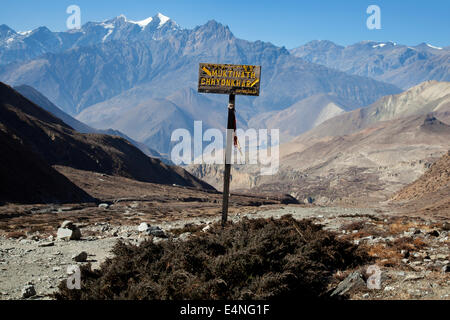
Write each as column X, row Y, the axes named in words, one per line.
column 252, row 259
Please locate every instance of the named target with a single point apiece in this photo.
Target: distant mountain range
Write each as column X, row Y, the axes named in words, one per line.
column 362, row 155
column 140, row 77
column 119, row 65
column 428, row 97
column 27, row 45
column 403, row 66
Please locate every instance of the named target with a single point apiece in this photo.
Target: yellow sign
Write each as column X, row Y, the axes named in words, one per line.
column 229, row 79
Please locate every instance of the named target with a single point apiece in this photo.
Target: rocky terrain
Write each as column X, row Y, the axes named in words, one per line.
column 410, row 251
column 435, row 179
column 125, row 205
column 40, row 243
column 428, row 194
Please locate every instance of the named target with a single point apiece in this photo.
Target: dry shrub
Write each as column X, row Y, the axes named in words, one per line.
column 400, row 227
column 382, row 251
column 252, row 259
column 16, row 235
column 408, row 243
column 356, row 225
column 192, row 228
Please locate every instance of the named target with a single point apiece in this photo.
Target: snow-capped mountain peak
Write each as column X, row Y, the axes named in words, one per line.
column 25, row 33
column 381, row 45
column 433, row 47
column 143, row 23
column 162, row 19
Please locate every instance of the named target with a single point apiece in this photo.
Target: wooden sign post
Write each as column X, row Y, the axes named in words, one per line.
column 232, row 80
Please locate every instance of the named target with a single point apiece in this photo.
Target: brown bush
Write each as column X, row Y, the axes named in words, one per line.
column 192, row 228
column 16, row 235
column 252, row 259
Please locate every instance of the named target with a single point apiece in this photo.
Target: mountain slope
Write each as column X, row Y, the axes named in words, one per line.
column 302, row 116
column 368, row 165
column 39, row 99
column 428, row 97
column 27, row 178
column 152, row 121
column 435, row 179
column 59, row 144
column 401, row 65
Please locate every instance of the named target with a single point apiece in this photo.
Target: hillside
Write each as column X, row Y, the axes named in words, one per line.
column 302, row 116
column 401, row 65
column 27, row 178
column 428, row 97
column 370, row 164
column 58, row 144
column 435, row 179
column 39, row 99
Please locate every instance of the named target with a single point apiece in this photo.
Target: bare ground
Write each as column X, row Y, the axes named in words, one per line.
column 411, row 248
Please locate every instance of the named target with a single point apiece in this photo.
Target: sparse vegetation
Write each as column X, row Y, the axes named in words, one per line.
column 252, row 259
column 190, row 227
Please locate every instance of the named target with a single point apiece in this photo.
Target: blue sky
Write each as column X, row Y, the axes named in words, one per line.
column 288, row 23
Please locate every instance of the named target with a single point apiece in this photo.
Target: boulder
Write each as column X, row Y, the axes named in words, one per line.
column 152, row 230
column 353, row 281
column 433, row 233
column 156, row 232
column 68, row 225
column 184, row 236
column 81, row 257
column 308, row 200
column 143, row 227
column 68, row 234
column 103, row 206
column 28, row 291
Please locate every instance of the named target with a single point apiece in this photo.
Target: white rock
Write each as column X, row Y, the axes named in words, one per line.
column 81, row 257
column 184, row 236
column 67, row 234
column 143, row 227
column 103, row 206
column 207, row 228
